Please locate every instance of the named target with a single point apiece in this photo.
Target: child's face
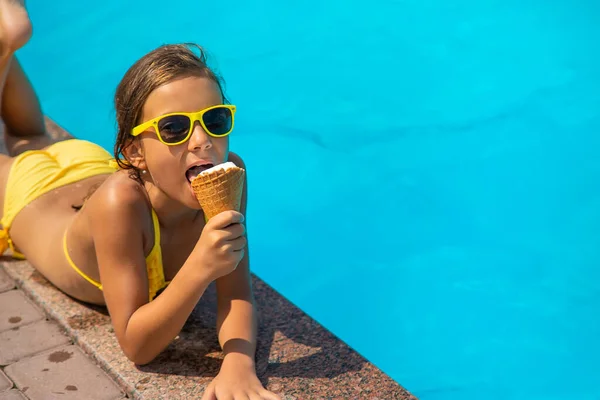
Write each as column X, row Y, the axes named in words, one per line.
column 167, row 165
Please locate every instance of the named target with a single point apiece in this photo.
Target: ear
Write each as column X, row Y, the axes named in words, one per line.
column 134, row 153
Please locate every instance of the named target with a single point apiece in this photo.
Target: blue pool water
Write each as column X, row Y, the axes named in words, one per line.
column 440, row 210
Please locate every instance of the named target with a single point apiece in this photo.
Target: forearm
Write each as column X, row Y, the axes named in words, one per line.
column 154, row 325
column 237, row 328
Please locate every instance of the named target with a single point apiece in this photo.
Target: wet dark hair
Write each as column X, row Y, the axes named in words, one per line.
column 159, row 67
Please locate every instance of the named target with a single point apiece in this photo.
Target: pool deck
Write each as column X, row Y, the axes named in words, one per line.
column 52, row 346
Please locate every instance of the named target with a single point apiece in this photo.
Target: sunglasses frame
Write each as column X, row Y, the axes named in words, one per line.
column 193, row 116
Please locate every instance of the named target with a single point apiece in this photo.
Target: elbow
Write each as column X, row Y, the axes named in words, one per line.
column 138, row 347
column 140, row 358
column 139, row 355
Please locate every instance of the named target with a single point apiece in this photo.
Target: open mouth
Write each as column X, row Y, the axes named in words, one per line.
column 196, row 170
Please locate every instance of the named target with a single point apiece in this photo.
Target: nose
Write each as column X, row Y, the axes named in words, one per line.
column 200, row 140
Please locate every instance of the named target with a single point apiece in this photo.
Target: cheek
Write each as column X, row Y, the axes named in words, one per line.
column 160, row 161
column 221, row 146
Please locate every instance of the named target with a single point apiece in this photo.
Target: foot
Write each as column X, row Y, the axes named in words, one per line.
column 15, row 26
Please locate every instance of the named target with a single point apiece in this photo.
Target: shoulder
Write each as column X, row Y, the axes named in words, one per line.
column 119, row 199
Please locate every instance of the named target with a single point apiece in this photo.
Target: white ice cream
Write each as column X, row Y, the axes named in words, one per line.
column 226, row 165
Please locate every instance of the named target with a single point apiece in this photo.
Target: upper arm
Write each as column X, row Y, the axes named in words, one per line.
column 237, row 284
column 117, row 215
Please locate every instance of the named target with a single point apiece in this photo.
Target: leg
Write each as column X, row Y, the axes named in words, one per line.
column 22, row 113
column 19, row 106
column 15, row 31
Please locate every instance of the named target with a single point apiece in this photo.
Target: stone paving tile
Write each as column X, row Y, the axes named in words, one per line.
column 12, row 395
column 5, row 383
column 6, row 283
column 28, row 340
column 62, row 373
column 16, row 310
column 296, row 357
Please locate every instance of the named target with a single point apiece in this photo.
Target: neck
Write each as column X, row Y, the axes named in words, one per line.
column 169, row 211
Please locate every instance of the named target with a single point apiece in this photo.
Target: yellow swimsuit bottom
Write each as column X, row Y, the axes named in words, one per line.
column 36, row 172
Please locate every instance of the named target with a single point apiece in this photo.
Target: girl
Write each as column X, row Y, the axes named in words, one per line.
column 126, row 231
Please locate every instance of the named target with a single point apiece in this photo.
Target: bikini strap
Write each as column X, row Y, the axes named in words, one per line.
column 156, row 226
column 6, row 243
column 74, row 266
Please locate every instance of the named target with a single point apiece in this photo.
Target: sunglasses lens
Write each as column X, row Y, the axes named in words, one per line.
column 218, row 121
column 174, row 128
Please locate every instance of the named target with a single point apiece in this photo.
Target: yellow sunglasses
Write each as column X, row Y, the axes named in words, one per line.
column 175, row 128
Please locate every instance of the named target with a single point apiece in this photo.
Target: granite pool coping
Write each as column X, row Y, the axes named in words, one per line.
column 296, row 356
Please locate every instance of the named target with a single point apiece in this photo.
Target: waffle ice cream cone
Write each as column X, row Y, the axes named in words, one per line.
column 219, row 188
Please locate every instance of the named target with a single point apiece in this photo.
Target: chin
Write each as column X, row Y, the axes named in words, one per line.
column 191, row 202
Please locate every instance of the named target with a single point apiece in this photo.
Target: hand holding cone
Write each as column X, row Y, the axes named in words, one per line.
column 219, row 188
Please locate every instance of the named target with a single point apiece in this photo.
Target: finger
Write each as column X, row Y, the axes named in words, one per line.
column 209, row 393
column 238, row 244
column 234, row 231
column 236, row 258
column 239, row 254
column 252, row 395
column 266, row 395
column 225, row 218
column 234, row 246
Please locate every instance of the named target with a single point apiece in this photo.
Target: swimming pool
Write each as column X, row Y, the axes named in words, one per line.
column 436, row 202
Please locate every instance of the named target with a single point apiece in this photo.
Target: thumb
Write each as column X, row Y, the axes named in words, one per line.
column 209, row 393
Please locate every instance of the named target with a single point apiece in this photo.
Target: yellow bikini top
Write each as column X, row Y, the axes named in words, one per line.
column 154, row 267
